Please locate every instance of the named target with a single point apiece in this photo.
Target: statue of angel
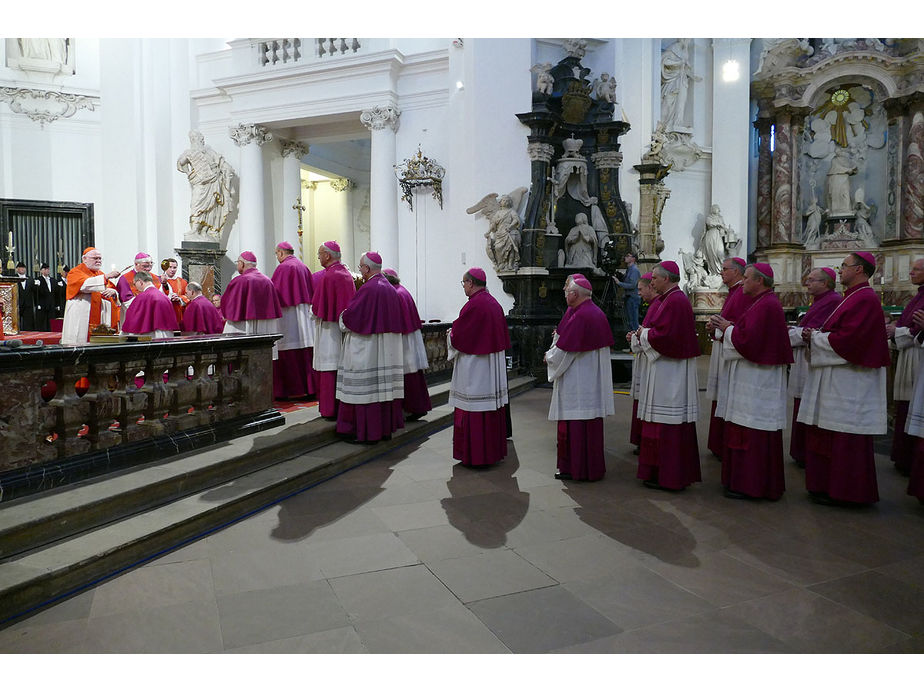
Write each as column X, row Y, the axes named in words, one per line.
column 544, row 79
column 605, row 88
column 503, row 235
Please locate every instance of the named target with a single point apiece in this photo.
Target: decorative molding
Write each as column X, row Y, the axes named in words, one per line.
column 245, row 133
column 341, row 184
column 293, row 148
column 420, row 171
column 45, row 106
column 378, row 117
column 681, row 151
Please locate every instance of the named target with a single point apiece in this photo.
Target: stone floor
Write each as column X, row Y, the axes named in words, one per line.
column 410, row 553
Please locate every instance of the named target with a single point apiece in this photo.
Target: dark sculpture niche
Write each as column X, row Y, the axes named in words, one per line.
column 575, row 159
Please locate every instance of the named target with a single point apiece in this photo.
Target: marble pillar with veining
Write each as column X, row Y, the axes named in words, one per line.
column 764, row 183
column 912, row 219
column 784, row 180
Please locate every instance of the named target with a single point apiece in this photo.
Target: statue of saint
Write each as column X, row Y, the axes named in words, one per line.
column 811, row 237
column 676, row 73
column 714, row 241
column 838, row 192
column 210, row 181
column 504, row 236
column 581, row 244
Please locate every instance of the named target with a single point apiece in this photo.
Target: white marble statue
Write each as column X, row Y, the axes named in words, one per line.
column 575, row 48
column 581, row 244
column 811, row 236
column 676, row 74
column 210, row 183
column 52, row 50
column 837, row 198
column 862, row 226
column 605, row 88
column 544, row 79
column 502, row 239
column 717, row 239
column 694, row 267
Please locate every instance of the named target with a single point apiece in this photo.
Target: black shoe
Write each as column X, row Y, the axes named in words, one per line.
column 635, row 450
column 563, row 476
column 821, row 498
column 413, row 417
column 728, row 493
column 655, row 485
column 329, row 418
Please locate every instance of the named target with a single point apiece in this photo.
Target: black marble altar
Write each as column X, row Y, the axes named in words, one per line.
column 570, row 112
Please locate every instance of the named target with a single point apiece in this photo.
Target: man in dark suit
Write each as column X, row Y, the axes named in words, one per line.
column 26, row 299
column 44, row 299
column 60, row 291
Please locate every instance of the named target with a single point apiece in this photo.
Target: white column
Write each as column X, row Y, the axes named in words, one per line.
column 382, row 121
column 292, row 153
column 252, row 216
column 731, row 130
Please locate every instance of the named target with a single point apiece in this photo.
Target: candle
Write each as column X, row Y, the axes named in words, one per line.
column 11, row 239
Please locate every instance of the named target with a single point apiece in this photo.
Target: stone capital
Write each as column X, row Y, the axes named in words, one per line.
column 379, row 117
column 540, row 151
column 245, row 133
column 293, row 148
column 607, row 159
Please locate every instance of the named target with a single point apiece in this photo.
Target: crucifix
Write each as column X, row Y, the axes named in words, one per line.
column 299, row 207
column 9, row 249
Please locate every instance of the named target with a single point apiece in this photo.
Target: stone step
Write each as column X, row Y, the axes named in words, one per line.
column 197, row 498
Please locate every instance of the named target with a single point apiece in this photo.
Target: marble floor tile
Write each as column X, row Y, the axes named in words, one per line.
column 432, row 544
column 259, row 616
column 179, row 628
column 632, row 596
column 720, row 578
column 412, row 515
column 542, row 620
column 361, row 554
column 883, row 598
column 584, row 557
column 270, row 565
column 449, row 630
column 307, row 529
column 57, row 637
column 909, row 571
column 808, row 622
column 389, row 593
column 337, row 641
column 489, row 574
column 154, row 586
column 70, row 609
column 715, row 632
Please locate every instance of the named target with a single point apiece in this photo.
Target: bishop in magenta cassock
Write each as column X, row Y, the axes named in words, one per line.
column 756, row 353
column 668, row 396
column 735, row 303
column 151, row 312
column 200, row 316
column 844, row 399
column 293, row 375
column 582, row 383
column 370, row 376
column 478, row 393
column 902, row 333
column 640, row 363
column 416, row 395
column 126, row 283
column 250, row 303
column 820, row 285
column 333, row 288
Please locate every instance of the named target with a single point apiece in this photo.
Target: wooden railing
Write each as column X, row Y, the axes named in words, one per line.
column 71, row 412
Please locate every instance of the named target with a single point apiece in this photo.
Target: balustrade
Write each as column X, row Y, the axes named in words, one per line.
column 287, row 51
column 70, row 412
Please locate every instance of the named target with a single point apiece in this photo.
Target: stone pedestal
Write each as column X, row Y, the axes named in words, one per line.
column 840, row 232
column 706, row 303
column 653, row 194
column 202, row 264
